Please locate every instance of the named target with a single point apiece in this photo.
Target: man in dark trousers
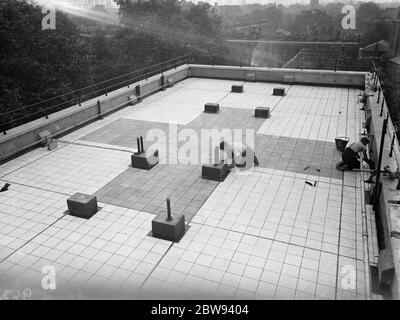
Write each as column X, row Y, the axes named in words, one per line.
column 351, row 157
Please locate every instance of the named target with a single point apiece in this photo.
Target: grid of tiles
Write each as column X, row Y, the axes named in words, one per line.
column 254, row 95
column 108, row 256
column 23, row 160
column 320, row 92
column 72, row 169
column 212, row 85
column 77, row 134
column 267, row 236
column 304, row 126
column 318, row 117
column 124, row 132
column 311, row 106
column 278, row 207
column 213, row 262
column 193, row 96
column 181, row 106
column 227, row 119
column 317, row 158
column 24, row 213
column 167, row 112
column 262, row 88
column 148, row 190
column 249, row 101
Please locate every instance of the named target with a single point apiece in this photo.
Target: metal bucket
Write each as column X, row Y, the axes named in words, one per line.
column 341, row 143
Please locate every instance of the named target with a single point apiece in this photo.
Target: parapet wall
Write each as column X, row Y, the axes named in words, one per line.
column 291, row 76
column 25, row 137
column 387, row 213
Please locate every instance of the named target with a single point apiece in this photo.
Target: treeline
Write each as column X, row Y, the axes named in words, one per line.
column 299, row 22
column 36, row 64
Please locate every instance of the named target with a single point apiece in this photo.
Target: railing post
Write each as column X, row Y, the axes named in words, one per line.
column 162, row 82
column 379, row 95
column 137, row 92
column 99, row 109
column 383, row 102
column 392, row 144
column 378, row 168
column 79, row 100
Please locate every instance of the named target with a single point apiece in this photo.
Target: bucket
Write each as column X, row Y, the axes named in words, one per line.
column 341, row 143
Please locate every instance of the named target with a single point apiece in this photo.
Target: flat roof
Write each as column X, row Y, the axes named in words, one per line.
column 287, row 229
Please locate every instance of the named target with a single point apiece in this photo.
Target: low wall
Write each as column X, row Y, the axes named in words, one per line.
column 25, row 137
column 295, row 76
column 385, row 211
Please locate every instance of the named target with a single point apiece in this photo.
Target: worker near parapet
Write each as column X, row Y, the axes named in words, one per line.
column 237, row 153
column 351, row 156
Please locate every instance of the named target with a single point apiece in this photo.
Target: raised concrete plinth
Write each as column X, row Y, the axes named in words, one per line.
column 211, row 107
column 44, row 135
column 216, row 172
column 172, row 230
column 238, row 88
column 82, row 205
column 278, row 92
column 385, row 269
column 262, row 112
column 145, row 160
column 51, row 145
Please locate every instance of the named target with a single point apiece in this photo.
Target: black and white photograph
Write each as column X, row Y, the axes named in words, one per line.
column 200, row 156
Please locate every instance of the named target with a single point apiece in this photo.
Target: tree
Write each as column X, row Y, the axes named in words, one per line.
column 381, row 30
column 38, row 64
column 368, row 11
column 204, row 20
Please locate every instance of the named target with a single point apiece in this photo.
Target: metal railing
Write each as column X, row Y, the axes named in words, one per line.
column 390, row 130
column 42, row 109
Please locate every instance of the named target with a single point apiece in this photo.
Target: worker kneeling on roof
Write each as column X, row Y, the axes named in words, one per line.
column 351, row 157
column 238, row 153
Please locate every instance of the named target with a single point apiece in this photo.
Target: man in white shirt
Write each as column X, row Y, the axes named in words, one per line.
column 239, row 152
column 351, row 157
